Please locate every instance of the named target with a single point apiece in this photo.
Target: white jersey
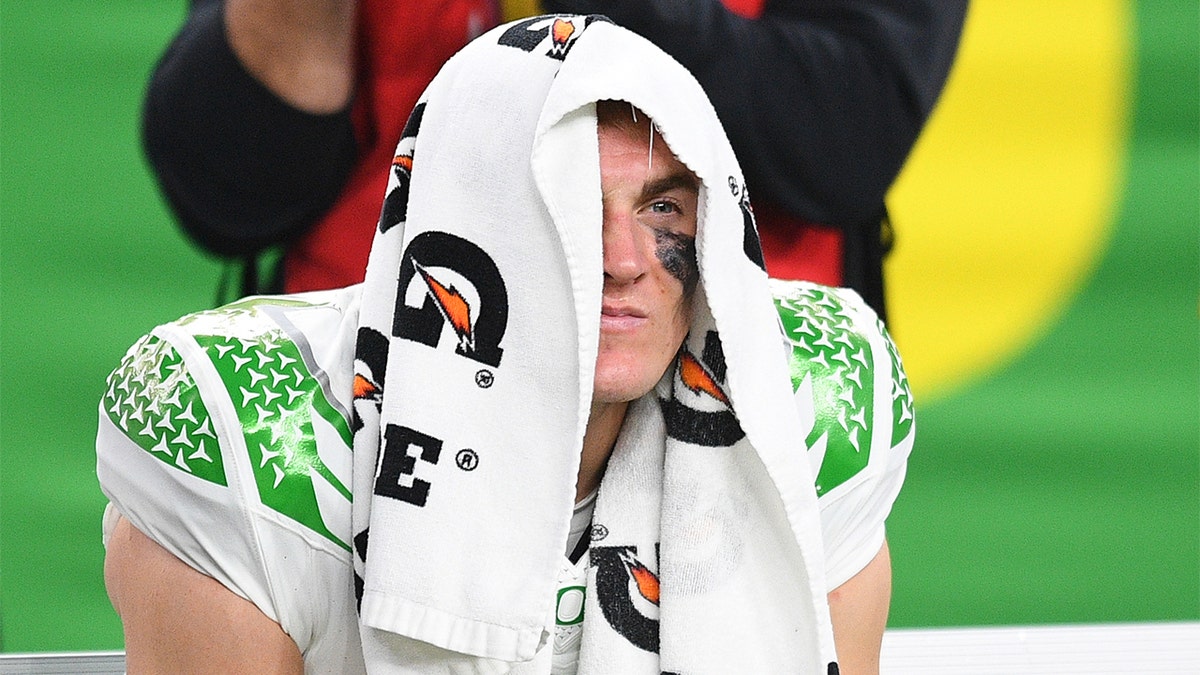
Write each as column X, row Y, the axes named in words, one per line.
column 225, row 437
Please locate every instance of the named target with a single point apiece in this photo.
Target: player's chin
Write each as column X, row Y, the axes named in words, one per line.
column 621, row 378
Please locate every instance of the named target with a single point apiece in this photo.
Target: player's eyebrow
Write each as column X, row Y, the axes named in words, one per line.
column 682, row 180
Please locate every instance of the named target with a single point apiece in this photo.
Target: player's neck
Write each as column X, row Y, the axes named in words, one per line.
column 604, row 424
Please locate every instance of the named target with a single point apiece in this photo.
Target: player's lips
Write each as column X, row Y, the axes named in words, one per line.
column 621, row 317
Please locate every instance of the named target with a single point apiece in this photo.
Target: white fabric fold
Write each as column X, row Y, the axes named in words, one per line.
column 477, row 344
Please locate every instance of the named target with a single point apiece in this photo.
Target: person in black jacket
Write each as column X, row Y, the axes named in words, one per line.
column 822, row 100
column 321, row 86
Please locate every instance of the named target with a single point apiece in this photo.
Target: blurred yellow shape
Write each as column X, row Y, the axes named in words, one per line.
column 1007, row 202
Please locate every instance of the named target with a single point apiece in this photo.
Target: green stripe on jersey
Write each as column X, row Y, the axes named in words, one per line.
column 833, row 359
column 902, row 401
column 275, row 396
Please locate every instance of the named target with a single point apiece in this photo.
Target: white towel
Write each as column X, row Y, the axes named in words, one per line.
column 476, row 351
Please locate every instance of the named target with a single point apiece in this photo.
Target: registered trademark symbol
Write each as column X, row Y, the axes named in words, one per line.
column 467, row 459
column 484, row 378
column 599, row 532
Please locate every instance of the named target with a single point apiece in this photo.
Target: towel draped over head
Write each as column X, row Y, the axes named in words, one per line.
column 477, row 343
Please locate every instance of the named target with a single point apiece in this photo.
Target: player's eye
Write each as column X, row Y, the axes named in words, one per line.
column 664, row 206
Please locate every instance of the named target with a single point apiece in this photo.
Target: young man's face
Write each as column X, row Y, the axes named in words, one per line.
column 650, row 200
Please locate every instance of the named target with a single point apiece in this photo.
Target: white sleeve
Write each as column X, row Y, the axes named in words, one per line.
column 856, row 410
column 164, row 462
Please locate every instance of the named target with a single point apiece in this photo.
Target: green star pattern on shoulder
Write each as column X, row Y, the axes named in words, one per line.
column 832, row 369
column 154, row 400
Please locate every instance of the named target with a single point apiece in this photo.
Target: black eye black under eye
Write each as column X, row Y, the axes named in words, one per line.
column 677, row 253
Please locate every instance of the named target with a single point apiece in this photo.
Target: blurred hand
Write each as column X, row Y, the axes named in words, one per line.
column 303, row 50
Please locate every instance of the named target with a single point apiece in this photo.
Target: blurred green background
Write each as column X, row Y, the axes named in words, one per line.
column 1063, row 488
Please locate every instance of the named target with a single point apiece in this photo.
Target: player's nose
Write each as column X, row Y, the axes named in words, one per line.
column 624, row 259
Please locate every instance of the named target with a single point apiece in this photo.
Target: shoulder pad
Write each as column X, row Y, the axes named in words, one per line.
column 179, row 390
